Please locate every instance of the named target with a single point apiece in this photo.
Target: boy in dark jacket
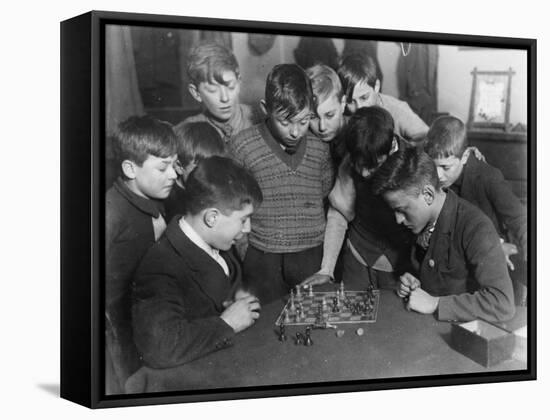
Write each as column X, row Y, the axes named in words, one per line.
column 458, row 264
column 482, row 185
column 146, row 152
column 188, row 299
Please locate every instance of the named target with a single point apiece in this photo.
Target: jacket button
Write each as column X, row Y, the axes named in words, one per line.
column 431, row 263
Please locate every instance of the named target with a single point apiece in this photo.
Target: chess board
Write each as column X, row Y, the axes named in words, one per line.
column 354, row 307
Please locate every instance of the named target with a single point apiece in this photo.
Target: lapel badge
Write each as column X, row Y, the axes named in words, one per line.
column 431, row 263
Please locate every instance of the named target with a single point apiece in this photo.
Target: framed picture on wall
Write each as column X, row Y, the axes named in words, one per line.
column 218, row 241
column 490, row 101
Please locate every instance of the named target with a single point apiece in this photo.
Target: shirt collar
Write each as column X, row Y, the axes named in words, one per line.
column 196, row 238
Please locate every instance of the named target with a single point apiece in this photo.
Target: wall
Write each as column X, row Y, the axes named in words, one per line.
column 455, row 79
column 454, row 75
column 254, row 69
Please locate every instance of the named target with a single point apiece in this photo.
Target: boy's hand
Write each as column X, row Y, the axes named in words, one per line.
column 316, row 279
column 509, row 250
column 239, row 294
column 242, row 313
column 476, row 153
column 407, row 283
column 423, row 302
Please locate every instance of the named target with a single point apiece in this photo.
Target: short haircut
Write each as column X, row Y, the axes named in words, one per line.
column 141, row 136
column 356, row 68
column 324, row 83
column 408, row 169
column 198, row 140
column 221, row 183
column 288, row 90
column 208, row 62
column 446, row 137
column 369, row 136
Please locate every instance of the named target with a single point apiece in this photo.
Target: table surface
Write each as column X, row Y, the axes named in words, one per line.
column 399, row 344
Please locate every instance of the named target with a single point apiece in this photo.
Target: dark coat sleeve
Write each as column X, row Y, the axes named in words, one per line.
column 167, row 330
column 508, row 208
column 494, row 298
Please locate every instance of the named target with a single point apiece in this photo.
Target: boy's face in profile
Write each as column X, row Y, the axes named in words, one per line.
column 328, row 120
column 410, row 208
column 228, row 229
column 448, row 170
column 220, row 99
column 154, row 178
column 363, row 96
column 286, row 131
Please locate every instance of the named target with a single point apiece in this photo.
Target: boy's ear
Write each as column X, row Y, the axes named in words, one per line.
column 129, row 169
column 194, row 91
column 210, row 217
column 263, row 107
column 428, row 192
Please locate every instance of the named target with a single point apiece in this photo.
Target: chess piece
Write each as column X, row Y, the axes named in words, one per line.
column 299, row 338
column 359, row 331
column 298, row 292
column 308, row 341
column 282, row 335
column 287, row 318
column 292, row 306
column 310, row 290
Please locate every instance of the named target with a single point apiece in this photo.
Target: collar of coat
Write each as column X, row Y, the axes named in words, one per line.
column 212, row 279
column 151, row 207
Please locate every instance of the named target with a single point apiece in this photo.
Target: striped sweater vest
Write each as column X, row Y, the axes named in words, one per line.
column 291, row 217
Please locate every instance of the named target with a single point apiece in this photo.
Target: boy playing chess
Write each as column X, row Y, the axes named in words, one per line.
column 458, row 266
column 481, row 184
column 188, row 299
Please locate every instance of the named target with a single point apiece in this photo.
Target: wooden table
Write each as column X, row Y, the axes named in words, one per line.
column 400, row 344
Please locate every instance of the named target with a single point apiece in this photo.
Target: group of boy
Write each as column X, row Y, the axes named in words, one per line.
column 334, row 174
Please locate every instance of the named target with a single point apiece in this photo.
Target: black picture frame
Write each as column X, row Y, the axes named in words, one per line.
column 83, row 215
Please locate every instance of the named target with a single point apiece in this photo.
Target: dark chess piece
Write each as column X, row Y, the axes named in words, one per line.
column 299, row 338
column 308, row 340
column 282, row 335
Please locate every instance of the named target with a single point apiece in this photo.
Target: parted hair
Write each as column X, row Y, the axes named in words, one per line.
column 288, row 91
column 356, row 68
column 198, row 140
column 369, row 136
column 207, row 63
column 408, row 169
column 140, row 136
column 446, row 138
column 324, row 82
column 221, row 183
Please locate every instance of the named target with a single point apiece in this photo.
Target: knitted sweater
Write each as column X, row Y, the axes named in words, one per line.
column 291, row 217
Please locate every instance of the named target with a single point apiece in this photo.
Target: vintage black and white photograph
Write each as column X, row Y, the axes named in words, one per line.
column 295, row 210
